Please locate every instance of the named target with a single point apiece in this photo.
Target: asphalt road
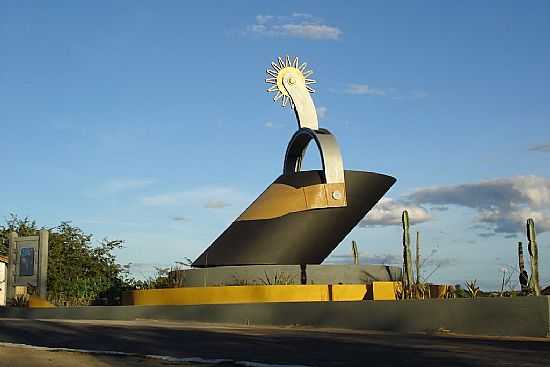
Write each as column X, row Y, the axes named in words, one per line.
column 292, row 345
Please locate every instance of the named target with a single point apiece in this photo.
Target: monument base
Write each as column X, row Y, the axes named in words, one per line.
column 375, row 291
column 285, row 275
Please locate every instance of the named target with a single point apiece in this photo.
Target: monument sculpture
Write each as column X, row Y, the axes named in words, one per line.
column 303, row 215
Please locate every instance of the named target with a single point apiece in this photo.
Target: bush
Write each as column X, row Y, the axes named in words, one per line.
column 78, row 272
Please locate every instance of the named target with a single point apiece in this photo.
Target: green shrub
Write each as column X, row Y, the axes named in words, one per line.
column 79, row 273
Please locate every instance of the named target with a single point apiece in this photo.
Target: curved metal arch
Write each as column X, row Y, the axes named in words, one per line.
column 304, row 108
column 331, row 157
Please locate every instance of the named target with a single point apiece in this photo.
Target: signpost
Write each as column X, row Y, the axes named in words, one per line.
column 27, row 269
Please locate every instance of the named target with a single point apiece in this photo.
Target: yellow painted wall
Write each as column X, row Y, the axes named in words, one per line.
column 348, row 292
column 385, row 291
column 259, row 294
column 37, row 302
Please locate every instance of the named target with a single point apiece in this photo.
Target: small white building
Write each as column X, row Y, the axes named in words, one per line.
column 3, row 283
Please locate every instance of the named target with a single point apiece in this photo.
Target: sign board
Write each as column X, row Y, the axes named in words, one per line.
column 28, row 264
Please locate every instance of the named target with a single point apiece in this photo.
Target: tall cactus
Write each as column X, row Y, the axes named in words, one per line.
column 534, row 254
column 417, row 258
column 355, row 252
column 407, row 262
column 523, row 276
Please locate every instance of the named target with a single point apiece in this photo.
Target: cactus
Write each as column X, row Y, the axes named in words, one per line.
column 534, row 284
column 417, row 258
column 355, row 252
column 472, row 289
column 523, row 276
column 407, row 262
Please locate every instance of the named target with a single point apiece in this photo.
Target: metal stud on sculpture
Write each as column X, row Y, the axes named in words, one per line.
column 303, row 215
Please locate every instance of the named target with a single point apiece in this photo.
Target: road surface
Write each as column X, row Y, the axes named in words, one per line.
column 243, row 344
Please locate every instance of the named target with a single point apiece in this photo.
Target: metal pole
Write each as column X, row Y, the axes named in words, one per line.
column 10, row 270
column 43, row 263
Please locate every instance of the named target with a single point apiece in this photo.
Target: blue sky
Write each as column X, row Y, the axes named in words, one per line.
column 149, row 122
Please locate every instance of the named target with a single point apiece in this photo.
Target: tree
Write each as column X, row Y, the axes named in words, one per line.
column 23, row 227
column 78, row 272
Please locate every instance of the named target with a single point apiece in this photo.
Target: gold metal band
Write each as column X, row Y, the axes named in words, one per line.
column 281, row 199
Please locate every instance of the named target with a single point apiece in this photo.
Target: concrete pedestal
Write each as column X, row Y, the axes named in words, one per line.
column 285, row 275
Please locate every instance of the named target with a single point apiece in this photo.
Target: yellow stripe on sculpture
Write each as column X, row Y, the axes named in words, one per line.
column 260, row 294
column 280, row 199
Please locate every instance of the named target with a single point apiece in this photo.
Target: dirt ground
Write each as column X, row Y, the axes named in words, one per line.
column 245, row 344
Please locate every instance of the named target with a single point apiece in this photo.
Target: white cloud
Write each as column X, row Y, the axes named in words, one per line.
column 216, row 204
column 393, row 93
column 545, row 148
column 269, row 125
column 297, row 25
column 209, row 197
column 125, row 184
column 502, row 204
column 364, row 89
column 321, row 112
column 180, row 219
column 513, row 220
column 530, row 190
column 389, row 211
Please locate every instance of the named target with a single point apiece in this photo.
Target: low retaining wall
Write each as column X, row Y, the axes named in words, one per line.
column 262, row 294
column 519, row 316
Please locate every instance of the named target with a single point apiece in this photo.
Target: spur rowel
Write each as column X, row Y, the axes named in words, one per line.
column 303, row 215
